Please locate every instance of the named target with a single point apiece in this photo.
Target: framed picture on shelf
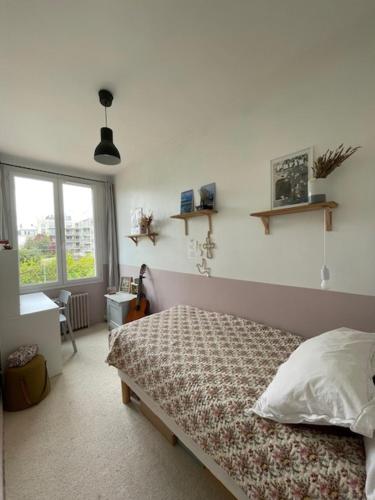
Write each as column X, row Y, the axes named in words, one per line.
column 208, row 197
column 134, row 288
column 187, row 201
column 289, row 178
column 126, row 284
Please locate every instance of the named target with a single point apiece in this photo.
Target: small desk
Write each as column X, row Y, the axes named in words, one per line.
column 37, row 323
column 35, row 302
column 117, row 308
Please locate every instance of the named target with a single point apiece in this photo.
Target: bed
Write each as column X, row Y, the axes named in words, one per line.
column 198, row 371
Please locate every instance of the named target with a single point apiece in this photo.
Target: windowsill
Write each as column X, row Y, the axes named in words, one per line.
column 58, row 285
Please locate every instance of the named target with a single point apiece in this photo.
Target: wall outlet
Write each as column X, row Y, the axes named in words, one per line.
column 193, row 249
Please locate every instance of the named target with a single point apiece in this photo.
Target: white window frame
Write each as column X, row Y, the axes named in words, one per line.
column 58, row 181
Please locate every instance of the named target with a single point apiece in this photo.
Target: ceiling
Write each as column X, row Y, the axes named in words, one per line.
column 171, row 64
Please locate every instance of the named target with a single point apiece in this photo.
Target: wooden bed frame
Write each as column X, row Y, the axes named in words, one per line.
column 127, row 393
column 148, row 413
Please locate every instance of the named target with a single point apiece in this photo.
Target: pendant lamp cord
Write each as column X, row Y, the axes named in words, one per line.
column 105, row 111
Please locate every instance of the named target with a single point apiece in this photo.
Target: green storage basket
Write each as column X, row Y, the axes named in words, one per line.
column 27, row 385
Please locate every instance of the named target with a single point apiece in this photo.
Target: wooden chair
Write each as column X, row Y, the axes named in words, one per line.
column 64, row 301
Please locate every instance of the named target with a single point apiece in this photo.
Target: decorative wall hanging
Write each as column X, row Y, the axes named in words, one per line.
column 289, row 178
column 208, row 246
column 206, row 252
column 106, row 152
column 203, row 269
column 196, row 249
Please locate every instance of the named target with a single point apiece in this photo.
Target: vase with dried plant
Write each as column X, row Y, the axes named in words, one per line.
column 145, row 223
column 323, row 166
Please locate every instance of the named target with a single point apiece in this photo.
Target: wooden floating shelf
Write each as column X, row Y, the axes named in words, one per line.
column 197, row 213
column 136, row 237
column 327, row 206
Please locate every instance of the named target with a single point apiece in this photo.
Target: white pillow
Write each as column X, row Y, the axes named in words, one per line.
column 326, row 380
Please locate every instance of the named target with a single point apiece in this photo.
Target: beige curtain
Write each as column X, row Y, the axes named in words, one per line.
column 111, row 229
column 5, row 230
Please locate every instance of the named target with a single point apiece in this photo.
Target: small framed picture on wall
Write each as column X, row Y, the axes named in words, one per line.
column 289, row 178
column 126, row 284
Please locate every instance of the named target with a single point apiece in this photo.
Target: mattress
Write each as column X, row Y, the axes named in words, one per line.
column 204, row 369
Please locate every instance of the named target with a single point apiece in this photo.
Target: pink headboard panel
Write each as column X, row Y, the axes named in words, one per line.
column 305, row 311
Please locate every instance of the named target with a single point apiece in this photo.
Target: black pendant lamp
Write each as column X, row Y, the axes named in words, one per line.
column 106, row 152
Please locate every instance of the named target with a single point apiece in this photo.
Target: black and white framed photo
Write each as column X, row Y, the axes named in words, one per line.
column 289, row 178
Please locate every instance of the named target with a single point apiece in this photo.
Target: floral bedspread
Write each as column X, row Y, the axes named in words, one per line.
column 204, row 369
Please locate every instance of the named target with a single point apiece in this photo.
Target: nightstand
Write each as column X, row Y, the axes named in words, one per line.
column 117, row 308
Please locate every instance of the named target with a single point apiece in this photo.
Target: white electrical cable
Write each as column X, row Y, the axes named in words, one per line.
column 324, row 272
column 324, row 238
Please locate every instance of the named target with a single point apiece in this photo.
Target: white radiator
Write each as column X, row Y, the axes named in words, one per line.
column 79, row 310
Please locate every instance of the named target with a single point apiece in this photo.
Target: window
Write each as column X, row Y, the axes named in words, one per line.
column 36, row 231
column 79, row 232
column 56, row 231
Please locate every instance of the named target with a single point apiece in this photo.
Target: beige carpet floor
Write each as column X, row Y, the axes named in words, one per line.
column 81, row 442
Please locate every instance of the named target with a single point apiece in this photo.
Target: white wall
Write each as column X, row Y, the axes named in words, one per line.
column 323, row 98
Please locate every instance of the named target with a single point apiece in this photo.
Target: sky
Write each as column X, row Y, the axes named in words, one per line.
column 34, row 201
